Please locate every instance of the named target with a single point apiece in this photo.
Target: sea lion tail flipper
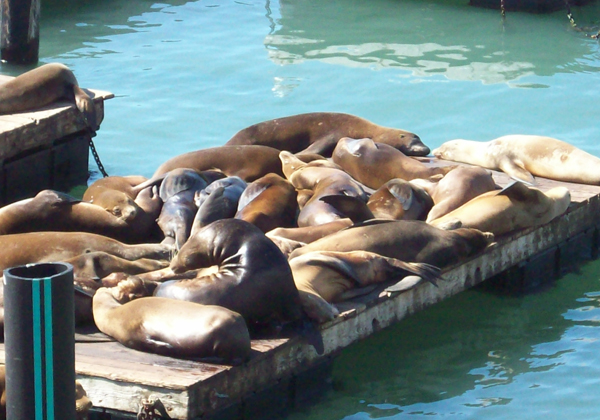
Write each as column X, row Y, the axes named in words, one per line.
column 352, row 207
column 428, row 272
column 403, row 193
column 516, row 170
column 407, row 283
column 517, row 190
column 312, row 334
column 85, row 105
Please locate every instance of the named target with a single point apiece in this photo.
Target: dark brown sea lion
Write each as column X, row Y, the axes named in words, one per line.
column 219, row 200
column 318, row 132
column 42, row 86
column 515, row 207
column 54, row 211
column 247, row 162
column 170, row 327
column 406, row 240
column 456, row 188
column 325, row 277
column 374, row 163
column 398, row 199
column 254, row 277
column 268, row 203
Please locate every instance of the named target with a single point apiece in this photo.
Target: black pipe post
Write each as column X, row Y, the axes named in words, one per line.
column 39, row 331
column 20, row 33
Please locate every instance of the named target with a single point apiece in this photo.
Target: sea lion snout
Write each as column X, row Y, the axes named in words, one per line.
column 416, row 147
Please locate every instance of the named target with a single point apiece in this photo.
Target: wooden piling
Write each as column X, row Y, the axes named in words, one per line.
column 20, row 33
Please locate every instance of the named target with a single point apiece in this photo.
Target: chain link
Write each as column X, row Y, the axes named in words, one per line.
column 574, row 25
column 97, row 158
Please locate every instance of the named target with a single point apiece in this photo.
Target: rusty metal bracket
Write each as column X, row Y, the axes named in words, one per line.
column 152, row 410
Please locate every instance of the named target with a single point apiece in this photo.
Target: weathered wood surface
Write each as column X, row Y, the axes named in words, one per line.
column 119, row 379
column 40, row 128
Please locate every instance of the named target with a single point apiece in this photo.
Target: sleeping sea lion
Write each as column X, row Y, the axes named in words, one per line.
column 318, row 132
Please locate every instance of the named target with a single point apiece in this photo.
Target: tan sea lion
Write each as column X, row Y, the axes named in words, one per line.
column 42, row 86
column 398, row 199
column 170, row 327
column 406, row 240
column 124, row 184
column 515, row 207
column 524, row 156
column 254, row 277
column 318, row 132
column 456, row 188
column 325, row 277
column 268, row 203
column 374, row 164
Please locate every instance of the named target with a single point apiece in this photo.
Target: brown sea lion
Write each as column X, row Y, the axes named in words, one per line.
column 456, row 188
column 318, row 132
column 325, row 277
column 268, row 203
column 406, row 240
column 124, row 184
column 54, row 211
column 398, row 199
column 515, row 207
column 254, row 277
column 524, row 156
column 42, row 86
column 26, row 248
column 169, row 327
column 374, row 164
column 247, row 162
column 321, row 179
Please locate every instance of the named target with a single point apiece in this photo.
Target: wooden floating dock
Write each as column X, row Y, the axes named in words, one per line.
column 286, row 371
column 45, row 149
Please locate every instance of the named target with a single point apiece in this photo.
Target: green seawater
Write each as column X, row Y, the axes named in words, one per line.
column 188, row 75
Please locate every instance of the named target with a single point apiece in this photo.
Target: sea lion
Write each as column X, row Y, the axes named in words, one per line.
column 322, row 179
column 398, row 199
column 254, row 277
column 325, row 277
column 455, row 189
column 247, row 162
column 177, row 190
column 374, row 164
column 42, row 86
column 309, row 234
column 406, row 240
column 54, row 211
column 36, row 247
column 169, row 327
column 318, row 132
column 219, row 200
column 524, row 156
column 124, row 184
column 515, row 207
column 268, row 203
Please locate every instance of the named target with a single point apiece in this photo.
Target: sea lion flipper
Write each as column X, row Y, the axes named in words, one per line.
column 403, row 193
column 357, row 291
column 352, row 207
column 407, row 283
column 516, row 170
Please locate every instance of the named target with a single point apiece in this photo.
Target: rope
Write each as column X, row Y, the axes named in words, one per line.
column 97, row 158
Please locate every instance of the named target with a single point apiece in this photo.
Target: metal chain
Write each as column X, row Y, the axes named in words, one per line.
column 97, row 158
column 574, row 25
column 502, row 10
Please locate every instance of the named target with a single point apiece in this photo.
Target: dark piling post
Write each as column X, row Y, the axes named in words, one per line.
column 20, row 34
column 39, row 342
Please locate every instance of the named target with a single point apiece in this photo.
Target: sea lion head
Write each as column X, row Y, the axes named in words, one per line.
column 450, row 150
column 415, row 146
column 117, row 203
